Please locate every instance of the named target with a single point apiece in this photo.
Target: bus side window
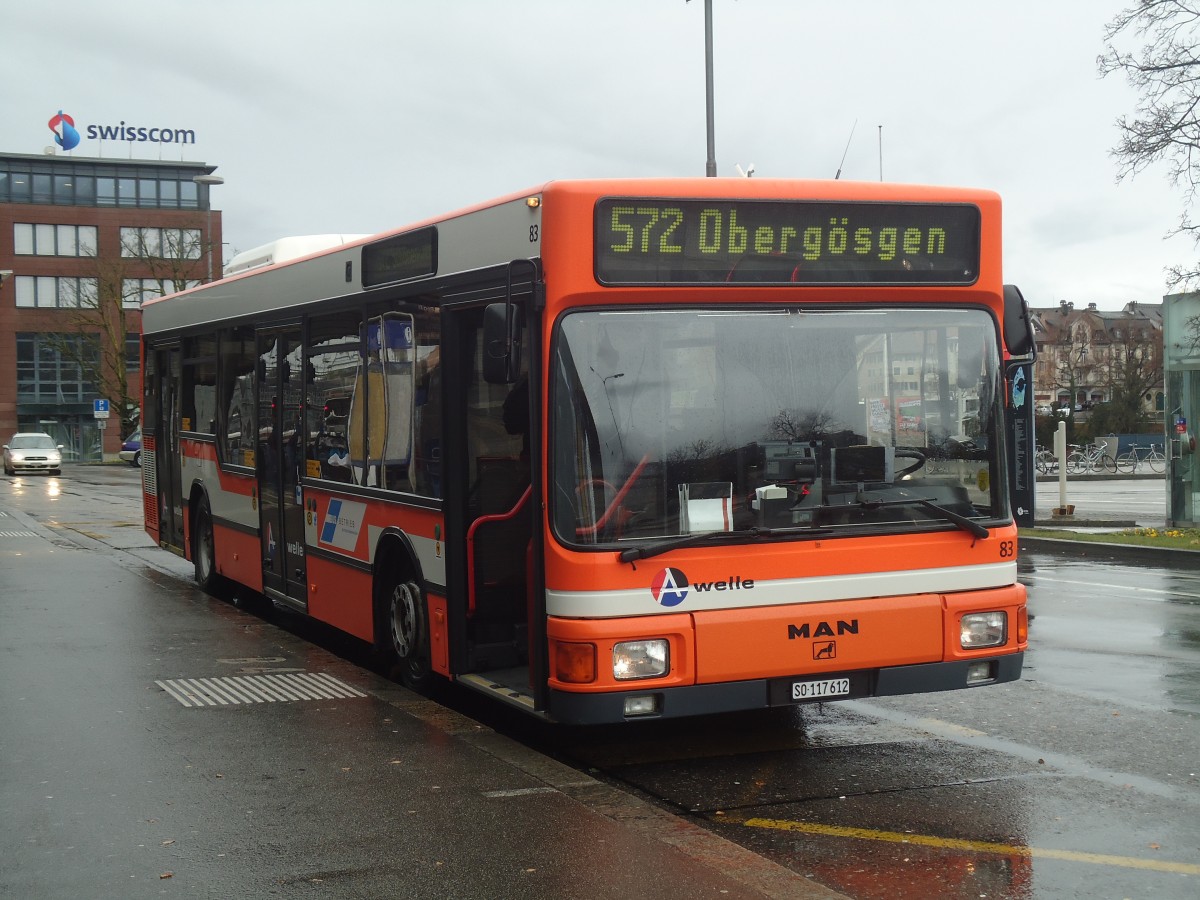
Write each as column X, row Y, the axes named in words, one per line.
column 498, row 437
column 333, row 356
column 236, row 400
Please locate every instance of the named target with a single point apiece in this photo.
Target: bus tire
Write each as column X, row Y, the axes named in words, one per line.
column 204, row 553
column 406, row 633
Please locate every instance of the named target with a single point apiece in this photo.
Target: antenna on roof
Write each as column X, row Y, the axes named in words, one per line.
column 847, row 150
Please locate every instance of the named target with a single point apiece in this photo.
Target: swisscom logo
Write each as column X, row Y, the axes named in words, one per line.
column 67, row 136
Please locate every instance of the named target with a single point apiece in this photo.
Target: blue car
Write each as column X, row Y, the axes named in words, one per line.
column 131, row 450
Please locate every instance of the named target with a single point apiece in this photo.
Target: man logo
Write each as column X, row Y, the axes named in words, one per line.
column 65, row 134
column 670, row 587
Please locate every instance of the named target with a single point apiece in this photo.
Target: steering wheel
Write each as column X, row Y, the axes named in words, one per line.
column 909, row 453
column 589, row 484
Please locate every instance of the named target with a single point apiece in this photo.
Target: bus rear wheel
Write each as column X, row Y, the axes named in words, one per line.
column 204, row 554
column 408, row 635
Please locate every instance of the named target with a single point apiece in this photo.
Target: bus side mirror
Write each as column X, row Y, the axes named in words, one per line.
column 1018, row 327
column 501, row 343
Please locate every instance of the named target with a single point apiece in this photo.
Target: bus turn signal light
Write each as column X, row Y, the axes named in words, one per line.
column 575, row 663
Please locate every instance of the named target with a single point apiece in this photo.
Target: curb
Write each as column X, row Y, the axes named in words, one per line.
column 1103, row 550
column 1101, row 476
column 1070, row 523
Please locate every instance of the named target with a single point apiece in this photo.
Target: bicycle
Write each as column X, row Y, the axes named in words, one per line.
column 1128, row 461
column 1090, row 459
column 1045, row 461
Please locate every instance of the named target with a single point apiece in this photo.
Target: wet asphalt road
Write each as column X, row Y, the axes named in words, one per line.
column 1082, row 780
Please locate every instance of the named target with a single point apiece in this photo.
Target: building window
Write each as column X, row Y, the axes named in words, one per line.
column 160, row 243
column 88, row 184
column 20, row 184
column 54, row 240
column 42, row 188
column 106, row 192
column 133, row 354
column 48, row 367
column 47, row 291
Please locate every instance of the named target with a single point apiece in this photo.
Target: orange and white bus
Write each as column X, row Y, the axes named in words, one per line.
column 610, row 450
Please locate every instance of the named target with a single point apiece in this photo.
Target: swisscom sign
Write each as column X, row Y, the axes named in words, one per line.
column 67, row 136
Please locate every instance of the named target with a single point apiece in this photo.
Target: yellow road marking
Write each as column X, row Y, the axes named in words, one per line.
column 925, row 840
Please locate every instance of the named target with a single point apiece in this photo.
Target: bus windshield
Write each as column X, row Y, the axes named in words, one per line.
column 737, row 423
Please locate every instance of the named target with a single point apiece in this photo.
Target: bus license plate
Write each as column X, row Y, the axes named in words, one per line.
column 816, row 690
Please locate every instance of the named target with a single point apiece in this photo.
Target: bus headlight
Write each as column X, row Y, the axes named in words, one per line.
column 641, row 659
column 989, row 629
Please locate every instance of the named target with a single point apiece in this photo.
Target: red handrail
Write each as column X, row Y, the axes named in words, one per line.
column 486, row 520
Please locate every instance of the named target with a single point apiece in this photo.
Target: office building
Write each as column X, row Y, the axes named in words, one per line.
column 83, row 241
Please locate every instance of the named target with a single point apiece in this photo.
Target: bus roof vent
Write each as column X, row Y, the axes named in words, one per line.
column 283, row 249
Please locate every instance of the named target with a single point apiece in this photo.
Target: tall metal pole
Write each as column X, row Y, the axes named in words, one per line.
column 710, row 168
column 881, row 153
column 207, row 181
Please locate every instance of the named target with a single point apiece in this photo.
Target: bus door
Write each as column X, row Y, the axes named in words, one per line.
column 489, row 505
column 279, row 455
column 166, row 457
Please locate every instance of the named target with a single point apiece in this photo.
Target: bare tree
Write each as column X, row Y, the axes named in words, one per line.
column 1134, row 373
column 152, row 262
column 1165, row 71
column 806, row 425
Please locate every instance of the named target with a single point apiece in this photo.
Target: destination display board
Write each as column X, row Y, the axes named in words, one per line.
column 398, row 258
column 671, row 241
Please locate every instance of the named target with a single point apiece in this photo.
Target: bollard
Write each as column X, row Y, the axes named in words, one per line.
column 1060, row 452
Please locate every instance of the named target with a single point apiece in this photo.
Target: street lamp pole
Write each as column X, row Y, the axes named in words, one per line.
column 208, row 180
column 710, row 169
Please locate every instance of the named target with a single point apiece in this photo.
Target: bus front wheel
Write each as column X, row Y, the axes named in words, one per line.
column 408, row 635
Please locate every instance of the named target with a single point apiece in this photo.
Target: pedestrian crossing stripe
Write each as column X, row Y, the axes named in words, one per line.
column 248, row 689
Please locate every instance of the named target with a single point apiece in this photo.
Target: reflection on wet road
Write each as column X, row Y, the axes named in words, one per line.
column 1115, row 631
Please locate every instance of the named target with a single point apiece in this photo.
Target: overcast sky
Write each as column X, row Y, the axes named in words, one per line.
column 364, row 115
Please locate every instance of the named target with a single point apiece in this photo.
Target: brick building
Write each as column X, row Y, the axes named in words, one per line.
column 82, row 242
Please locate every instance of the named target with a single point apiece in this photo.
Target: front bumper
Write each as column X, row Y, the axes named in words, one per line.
column 707, row 699
column 34, row 464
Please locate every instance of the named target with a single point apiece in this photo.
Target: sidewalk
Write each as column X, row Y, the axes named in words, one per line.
column 114, row 788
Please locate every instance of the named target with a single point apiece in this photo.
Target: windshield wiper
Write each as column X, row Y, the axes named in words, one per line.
column 645, row 551
column 948, row 515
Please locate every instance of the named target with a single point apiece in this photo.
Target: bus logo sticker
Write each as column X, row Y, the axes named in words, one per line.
column 342, row 523
column 670, row 587
column 1019, row 386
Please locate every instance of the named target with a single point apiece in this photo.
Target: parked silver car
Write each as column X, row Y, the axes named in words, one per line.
column 32, row 451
